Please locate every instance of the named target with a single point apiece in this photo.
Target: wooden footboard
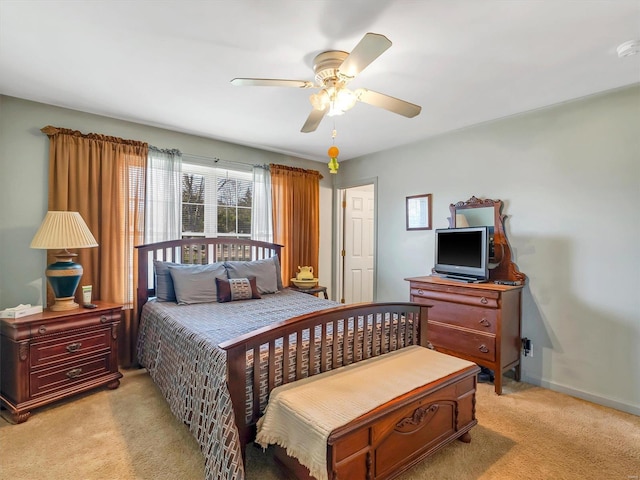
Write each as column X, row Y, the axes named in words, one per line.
column 310, row 344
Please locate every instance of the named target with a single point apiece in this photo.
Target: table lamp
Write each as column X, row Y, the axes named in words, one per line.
column 63, row 230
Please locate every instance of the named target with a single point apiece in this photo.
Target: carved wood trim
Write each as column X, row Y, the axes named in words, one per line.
column 475, row 202
column 15, row 417
column 473, row 404
column 24, row 351
column 420, row 416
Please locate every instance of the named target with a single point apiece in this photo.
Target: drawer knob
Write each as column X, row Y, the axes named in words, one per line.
column 484, row 322
column 42, row 329
column 103, row 319
column 483, row 349
column 420, row 292
column 74, row 347
column 74, row 372
column 484, row 301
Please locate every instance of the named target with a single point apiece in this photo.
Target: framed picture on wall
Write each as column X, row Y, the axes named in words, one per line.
column 419, row 212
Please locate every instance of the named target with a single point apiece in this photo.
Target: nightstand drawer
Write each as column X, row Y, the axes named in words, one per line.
column 468, row 316
column 468, row 343
column 64, row 376
column 68, row 347
column 68, row 323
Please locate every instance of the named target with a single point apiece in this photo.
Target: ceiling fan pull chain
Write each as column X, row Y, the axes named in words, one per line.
column 333, row 152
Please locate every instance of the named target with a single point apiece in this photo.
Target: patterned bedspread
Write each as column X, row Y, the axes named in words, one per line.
column 178, row 344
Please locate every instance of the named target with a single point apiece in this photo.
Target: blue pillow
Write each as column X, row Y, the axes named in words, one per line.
column 266, row 271
column 196, row 283
column 164, row 283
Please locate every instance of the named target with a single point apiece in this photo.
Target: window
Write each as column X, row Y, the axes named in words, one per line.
column 216, row 202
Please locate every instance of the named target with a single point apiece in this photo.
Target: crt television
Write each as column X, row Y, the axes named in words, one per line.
column 462, row 253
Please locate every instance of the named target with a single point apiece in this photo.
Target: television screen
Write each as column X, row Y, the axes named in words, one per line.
column 463, row 252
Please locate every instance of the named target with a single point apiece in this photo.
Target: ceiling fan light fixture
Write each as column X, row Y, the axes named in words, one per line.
column 342, row 100
column 338, row 100
column 319, row 100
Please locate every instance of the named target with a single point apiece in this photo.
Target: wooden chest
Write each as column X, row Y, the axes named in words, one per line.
column 395, row 436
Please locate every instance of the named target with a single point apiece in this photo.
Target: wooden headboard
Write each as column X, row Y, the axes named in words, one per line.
column 196, row 251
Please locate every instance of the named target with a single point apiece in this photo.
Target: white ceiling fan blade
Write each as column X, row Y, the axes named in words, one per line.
column 370, row 47
column 387, row 102
column 313, row 120
column 270, row 82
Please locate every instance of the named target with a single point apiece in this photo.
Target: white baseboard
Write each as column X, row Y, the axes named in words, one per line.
column 605, row 401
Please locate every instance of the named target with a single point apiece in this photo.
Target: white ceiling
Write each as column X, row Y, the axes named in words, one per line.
column 168, row 63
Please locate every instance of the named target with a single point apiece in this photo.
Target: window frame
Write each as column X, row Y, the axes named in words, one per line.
column 211, row 175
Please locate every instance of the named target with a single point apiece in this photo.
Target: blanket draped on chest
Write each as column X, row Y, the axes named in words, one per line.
column 301, row 415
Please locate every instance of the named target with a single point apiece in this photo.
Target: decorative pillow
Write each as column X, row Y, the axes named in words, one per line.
column 266, row 272
column 196, row 284
column 236, row 289
column 164, row 283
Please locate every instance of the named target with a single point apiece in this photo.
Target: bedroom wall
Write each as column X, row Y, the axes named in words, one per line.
column 569, row 177
column 24, row 160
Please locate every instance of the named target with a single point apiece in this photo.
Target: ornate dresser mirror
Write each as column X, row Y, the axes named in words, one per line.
column 477, row 212
column 480, row 322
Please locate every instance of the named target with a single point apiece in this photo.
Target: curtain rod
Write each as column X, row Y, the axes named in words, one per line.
column 217, row 160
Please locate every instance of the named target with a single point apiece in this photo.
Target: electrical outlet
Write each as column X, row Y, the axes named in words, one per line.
column 527, row 347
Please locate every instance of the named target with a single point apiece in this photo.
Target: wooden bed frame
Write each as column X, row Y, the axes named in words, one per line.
column 409, row 321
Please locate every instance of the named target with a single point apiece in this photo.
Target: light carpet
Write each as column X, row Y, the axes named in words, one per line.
column 129, row 433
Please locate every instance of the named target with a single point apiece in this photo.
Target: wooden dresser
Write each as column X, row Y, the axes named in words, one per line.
column 478, row 322
column 53, row 355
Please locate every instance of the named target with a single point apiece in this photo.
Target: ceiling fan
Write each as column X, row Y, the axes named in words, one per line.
column 334, row 69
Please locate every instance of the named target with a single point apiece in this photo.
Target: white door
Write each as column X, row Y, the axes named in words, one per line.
column 358, row 244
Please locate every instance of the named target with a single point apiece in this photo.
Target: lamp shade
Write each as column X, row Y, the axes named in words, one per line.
column 61, row 231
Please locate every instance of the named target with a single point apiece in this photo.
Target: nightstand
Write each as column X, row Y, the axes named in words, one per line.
column 312, row 290
column 53, row 355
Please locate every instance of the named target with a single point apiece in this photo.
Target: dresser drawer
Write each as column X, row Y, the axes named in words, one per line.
column 479, row 298
column 67, row 375
column 466, row 342
column 468, row 316
column 64, row 348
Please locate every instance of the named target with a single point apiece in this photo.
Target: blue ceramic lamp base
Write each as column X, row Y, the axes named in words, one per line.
column 64, row 277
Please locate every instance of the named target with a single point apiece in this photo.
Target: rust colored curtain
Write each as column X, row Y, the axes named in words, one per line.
column 103, row 179
column 295, row 194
